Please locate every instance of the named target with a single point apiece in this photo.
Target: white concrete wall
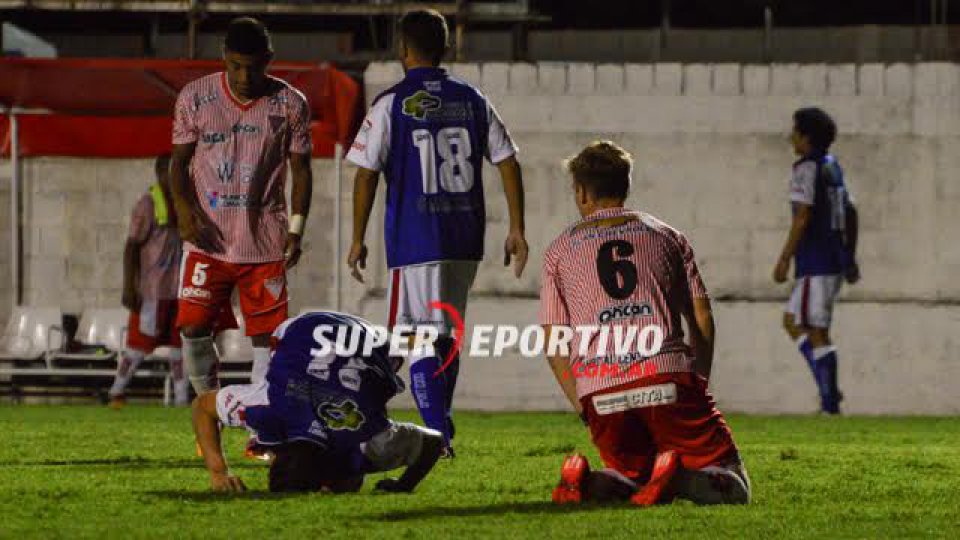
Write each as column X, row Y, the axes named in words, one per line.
column 712, row 159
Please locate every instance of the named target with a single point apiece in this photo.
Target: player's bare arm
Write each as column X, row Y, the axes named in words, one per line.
column 560, row 365
column 364, row 192
column 300, row 196
column 801, row 218
column 207, row 430
column 516, row 243
column 430, row 452
column 131, row 272
column 851, row 232
column 194, row 225
column 700, row 322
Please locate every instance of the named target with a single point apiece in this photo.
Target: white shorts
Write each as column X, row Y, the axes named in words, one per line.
column 413, row 288
column 811, row 302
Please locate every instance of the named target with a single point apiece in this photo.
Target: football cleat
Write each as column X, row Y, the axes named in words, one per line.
column 255, row 450
column 573, row 474
column 664, row 468
column 117, row 403
column 447, row 452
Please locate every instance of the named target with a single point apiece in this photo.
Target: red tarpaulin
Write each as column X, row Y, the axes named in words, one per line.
column 123, row 108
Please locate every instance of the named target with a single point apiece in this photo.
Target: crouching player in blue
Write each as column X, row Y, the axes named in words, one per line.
column 823, row 240
column 322, row 415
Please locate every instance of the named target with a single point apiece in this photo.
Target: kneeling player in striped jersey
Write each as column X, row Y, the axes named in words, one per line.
column 322, row 415
column 648, row 408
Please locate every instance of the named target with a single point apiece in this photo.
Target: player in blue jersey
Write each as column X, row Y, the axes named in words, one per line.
column 429, row 135
column 321, row 414
column 823, row 241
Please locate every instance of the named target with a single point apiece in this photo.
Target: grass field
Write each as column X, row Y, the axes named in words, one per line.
column 92, row 472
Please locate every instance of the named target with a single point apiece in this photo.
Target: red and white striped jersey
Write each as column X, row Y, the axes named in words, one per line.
column 620, row 268
column 240, row 162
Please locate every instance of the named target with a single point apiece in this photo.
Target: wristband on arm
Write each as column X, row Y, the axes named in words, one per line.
column 296, row 224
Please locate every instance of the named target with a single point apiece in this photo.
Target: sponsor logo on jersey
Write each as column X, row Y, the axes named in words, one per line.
column 245, row 128
column 194, row 292
column 225, row 171
column 625, row 311
column 200, row 101
column 317, row 430
column 278, row 99
column 213, row 138
column 219, row 200
column 432, row 86
column 420, row 103
column 341, row 416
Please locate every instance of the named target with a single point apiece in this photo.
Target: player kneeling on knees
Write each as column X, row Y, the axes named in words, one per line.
column 647, row 406
column 323, row 416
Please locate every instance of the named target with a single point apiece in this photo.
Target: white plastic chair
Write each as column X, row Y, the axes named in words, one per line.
column 31, row 333
column 103, row 326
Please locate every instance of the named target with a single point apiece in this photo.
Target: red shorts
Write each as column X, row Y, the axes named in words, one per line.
column 206, row 284
column 629, row 440
column 153, row 326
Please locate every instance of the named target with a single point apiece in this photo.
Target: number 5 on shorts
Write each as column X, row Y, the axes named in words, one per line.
column 199, row 274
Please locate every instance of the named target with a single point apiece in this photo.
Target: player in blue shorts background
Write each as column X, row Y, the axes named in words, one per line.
column 429, row 134
column 823, row 242
column 321, row 414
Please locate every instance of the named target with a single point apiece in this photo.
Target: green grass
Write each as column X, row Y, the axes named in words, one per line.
column 92, row 472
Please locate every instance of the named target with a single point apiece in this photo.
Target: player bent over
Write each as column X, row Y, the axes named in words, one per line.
column 322, row 415
column 823, row 240
column 233, row 134
column 649, row 413
column 151, row 264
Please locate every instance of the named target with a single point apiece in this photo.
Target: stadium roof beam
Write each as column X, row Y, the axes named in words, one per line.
column 504, row 13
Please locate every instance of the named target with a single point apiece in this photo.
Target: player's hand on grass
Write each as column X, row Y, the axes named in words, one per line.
column 357, row 260
column 293, row 250
column 226, row 483
column 516, row 246
column 781, row 270
column 852, row 274
column 391, row 485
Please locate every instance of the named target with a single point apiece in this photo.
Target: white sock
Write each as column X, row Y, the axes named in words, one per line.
column 261, row 362
column 200, row 361
column 181, row 385
column 125, row 369
column 820, row 352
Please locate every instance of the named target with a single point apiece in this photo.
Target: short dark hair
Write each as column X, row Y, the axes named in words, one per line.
column 162, row 164
column 603, row 169
column 246, row 35
column 426, row 32
column 297, row 467
column 815, row 124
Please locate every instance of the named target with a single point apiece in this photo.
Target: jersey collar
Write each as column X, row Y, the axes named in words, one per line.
column 233, row 99
column 606, row 212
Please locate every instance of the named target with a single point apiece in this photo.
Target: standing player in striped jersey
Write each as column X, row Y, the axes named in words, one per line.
column 429, row 135
column 655, row 423
column 823, row 239
column 233, row 133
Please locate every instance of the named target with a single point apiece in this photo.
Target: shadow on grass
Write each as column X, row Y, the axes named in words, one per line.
column 212, row 497
column 134, row 462
column 528, row 507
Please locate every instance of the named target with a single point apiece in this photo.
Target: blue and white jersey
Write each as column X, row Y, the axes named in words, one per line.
column 817, row 182
column 313, row 394
column 429, row 135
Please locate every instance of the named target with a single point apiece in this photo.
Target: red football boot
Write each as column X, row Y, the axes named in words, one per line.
column 573, row 473
column 663, row 470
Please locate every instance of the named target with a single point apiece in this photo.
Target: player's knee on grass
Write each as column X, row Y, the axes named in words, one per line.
column 608, row 485
column 400, row 445
column 714, row 485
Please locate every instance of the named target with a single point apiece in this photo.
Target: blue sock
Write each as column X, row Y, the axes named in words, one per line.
column 806, row 349
column 449, row 376
column 826, row 359
column 429, row 393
